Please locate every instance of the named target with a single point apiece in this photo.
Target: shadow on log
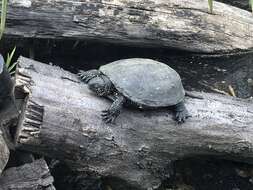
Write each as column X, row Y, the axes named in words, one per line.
column 243, row 4
column 179, row 24
column 61, row 119
column 32, row 176
column 6, row 111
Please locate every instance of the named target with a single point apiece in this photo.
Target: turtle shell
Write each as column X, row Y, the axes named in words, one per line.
column 145, row 81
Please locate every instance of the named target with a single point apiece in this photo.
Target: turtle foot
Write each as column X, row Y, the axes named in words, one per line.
column 87, row 75
column 181, row 116
column 84, row 76
column 109, row 116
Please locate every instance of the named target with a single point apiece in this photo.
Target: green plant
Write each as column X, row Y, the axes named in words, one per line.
column 3, row 17
column 9, row 64
column 251, row 5
column 210, row 3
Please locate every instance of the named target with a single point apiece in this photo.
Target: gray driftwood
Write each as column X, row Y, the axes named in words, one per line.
column 32, row 176
column 61, row 119
column 179, row 24
column 4, row 153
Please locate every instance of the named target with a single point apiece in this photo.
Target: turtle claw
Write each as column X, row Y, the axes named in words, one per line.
column 109, row 116
column 84, row 76
column 181, row 116
column 81, row 73
column 86, row 79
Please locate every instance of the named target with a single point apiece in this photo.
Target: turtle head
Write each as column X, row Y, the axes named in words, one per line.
column 100, row 85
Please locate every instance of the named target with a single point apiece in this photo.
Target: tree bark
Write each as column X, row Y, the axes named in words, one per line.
column 4, row 153
column 179, row 24
column 32, row 176
column 61, row 119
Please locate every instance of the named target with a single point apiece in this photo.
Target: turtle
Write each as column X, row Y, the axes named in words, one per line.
column 139, row 82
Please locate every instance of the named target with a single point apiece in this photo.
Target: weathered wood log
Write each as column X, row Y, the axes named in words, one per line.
column 61, row 119
column 179, row 24
column 32, row 176
column 4, row 153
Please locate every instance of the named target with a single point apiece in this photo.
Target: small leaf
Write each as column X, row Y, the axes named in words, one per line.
column 210, row 3
column 12, row 66
column 3, row 17
column 13, row 72
column 9, row 63
column 13, row 51
column 251, row 5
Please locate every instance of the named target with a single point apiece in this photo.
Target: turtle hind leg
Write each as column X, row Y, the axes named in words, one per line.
column 181, row 113
column 113, row 112
column 88, row 75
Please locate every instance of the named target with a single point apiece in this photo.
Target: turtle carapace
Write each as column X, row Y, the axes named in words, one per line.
column 145, row 83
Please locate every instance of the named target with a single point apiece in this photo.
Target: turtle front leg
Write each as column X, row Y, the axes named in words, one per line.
column 113, row 112
column 88, row 75
column 181, row 113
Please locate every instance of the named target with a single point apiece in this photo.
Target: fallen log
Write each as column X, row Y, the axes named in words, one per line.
column 179, row 24
column 61, row 119
column 32, row 176
column 4, row 153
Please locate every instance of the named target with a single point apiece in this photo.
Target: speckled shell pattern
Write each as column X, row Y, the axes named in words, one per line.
column 145, row 81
